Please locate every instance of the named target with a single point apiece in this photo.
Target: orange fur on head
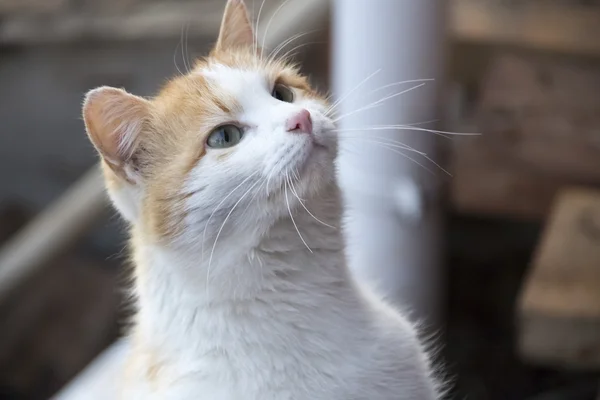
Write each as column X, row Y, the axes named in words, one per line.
column 154, row 143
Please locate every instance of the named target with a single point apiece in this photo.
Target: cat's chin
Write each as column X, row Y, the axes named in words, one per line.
column 318, row 155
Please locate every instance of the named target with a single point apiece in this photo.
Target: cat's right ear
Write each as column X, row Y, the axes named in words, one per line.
column 114, row 120
column 236, row 28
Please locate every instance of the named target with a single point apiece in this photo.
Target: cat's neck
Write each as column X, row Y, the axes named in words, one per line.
column 299, row 257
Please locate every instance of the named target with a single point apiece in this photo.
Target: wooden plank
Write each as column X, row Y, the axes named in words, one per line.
column 132, row 20
column 31, row 6
column 539, row 120
column 566, row 27
column 152, row 20
column 559, row 307
column 488, row 187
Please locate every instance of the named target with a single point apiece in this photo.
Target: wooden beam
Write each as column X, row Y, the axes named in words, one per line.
column 542, row 25
column 164, row 20
column 559, row 307
column 539, row 120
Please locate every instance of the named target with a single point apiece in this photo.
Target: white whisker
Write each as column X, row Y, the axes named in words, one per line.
column 347, row 95
column 257, row 25
column 430, row 121
column 382, row 140
column 297, row 36
column 219, row 205
column 407, row 128
column 295, row 193
column 391, row 148
column 179, row 44
column 401, row 83
column 290, row 54
column 268, row 180
column 378, row 102
column 212, row 252
column 291, row 216
column 386, row 129
column 269, row 25
column 414, row 128
column 185, row 50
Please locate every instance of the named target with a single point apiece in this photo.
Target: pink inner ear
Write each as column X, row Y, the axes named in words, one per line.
column 114, row 119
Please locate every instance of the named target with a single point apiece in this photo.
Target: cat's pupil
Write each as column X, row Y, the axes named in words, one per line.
column 278, row 95
column 226, row 136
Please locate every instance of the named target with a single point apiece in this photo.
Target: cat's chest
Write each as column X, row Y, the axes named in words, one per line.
column 251, row 374
column 273, row 353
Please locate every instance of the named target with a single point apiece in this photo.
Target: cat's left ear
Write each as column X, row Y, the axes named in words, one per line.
column 115, row 121
column 236, row 28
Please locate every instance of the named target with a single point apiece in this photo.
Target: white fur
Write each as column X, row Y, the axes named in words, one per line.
column 238, row 307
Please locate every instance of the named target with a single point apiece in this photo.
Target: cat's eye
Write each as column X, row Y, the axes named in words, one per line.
column 283, row 93
column 224, row 136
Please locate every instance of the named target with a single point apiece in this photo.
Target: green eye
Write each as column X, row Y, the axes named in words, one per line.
column 283, row 93
column 224, row 136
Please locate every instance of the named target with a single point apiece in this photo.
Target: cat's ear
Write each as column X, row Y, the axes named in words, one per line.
column 236, row 28
column 114, row 120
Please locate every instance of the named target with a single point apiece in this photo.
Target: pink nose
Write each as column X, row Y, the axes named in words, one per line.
column 300, row 123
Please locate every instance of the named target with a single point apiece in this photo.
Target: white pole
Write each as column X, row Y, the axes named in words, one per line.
column 394, row 216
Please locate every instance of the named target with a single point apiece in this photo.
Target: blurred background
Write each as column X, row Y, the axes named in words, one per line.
column 519, row 301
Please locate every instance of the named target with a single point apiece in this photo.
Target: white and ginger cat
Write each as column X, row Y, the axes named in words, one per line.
column 231, row 303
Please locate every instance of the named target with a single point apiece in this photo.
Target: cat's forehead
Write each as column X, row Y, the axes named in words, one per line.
column 237, row 81
column 223, row 87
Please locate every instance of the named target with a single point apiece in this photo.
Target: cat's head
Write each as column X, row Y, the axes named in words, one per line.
column 239, row 131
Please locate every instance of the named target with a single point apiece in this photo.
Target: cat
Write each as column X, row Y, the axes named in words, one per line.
column 227, row 179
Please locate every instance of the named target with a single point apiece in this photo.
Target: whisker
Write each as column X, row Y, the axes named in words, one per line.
column 430, row 121
column 179, row 44
column 291, row 216
column 378, row 102
column 185, row 50
column 347, row 95
column 407, row 128
column 257, row 25
column 413, row 160
column 269, row 179
column 386, row 129
column 401, row 83
column 387, row 141
column 221, row 230
column 295, row 193
column 219, row 205
column 394, row 149
column 269, row 25
column 414, row 128
column 290, row 54
column 281, row 46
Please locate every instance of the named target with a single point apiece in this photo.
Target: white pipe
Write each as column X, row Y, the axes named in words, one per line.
column 394, row 219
